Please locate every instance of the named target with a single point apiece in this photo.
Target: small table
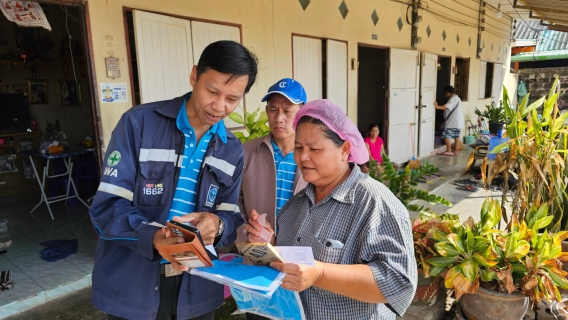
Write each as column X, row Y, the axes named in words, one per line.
column 66, row 156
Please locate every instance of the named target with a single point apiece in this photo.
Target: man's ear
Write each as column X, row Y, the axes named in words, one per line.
column 193, row 76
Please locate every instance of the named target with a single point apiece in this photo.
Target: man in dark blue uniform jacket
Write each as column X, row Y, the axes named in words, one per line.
column 166, row 160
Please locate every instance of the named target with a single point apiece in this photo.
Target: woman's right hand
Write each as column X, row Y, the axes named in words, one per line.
column 254, row 228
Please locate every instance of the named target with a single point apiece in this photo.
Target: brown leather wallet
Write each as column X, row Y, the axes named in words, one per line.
column 190, row 253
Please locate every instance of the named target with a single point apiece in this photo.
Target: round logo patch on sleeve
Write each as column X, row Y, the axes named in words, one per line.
column 113, row 158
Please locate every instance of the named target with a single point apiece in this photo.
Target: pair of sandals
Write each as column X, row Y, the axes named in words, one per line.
column 466, row 185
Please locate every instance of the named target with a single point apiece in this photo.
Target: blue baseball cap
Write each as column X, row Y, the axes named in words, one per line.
column 289, row 88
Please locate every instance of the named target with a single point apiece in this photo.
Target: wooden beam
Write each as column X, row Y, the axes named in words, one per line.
column 547, row 19
column 558, row 28
column 540, row 9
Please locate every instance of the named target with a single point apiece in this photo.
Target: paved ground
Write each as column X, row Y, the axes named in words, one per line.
column 78, row 307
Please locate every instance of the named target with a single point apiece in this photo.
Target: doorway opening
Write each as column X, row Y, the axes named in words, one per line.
column 372, row 97
column 47, row 88
column 443, row 80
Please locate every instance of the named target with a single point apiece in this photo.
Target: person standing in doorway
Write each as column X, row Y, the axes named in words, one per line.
column 453, row 123
column 374, row 143
column 171, row 160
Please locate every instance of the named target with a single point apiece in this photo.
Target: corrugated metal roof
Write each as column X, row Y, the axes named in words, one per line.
column 547, row 40
column 551, row 41
column 527, row 30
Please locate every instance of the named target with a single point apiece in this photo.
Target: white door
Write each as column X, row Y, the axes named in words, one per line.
column 403, row 99
column 203, row 34
column 206, row 33
column 496, row 92
column 164, row 54
column 336, row 65
column 482, row 79
column 428, row 75
column 307, row 56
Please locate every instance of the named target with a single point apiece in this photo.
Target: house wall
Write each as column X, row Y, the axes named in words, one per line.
column 539, row 80
column 267, row 28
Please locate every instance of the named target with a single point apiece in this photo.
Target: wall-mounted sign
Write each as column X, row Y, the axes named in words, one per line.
column 113, row 68
column 374, row 36
column 113, row 92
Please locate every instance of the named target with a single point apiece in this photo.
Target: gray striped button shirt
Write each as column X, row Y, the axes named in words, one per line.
column 375, row 229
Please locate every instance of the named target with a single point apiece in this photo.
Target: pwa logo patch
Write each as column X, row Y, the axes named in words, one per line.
column 111, row 172
column 113, row 158
column 211, row 195
column 153, row 189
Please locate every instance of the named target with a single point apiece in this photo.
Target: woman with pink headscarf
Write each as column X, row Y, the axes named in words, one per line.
column 359, row 232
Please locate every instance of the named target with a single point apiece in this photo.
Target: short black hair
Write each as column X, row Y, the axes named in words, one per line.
column 327, row 132
column 229, row 57
column 449, row 89
column 372, row 125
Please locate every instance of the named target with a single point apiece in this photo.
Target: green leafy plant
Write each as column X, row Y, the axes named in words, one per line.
column 524, row 257
column 536, row 153
column 492, row 112
column 422, row 228
column 255, row 128
column 527, row 255
column 403, row 184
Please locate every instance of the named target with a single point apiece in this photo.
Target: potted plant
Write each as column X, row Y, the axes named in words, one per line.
column 524, row 260
column 422, row 227
column 497, row 274
column 403, row 184
column 495, row 115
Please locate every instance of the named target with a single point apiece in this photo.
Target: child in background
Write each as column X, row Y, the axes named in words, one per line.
column 375, row 143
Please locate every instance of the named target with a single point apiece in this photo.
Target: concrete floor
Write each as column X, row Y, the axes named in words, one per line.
column 37, row 281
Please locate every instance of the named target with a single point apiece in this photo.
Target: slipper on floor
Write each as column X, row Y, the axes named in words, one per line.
column 461, row 182
column 449, row 154
column 467, row 187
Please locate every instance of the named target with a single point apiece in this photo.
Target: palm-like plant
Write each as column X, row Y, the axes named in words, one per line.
column 537, row 150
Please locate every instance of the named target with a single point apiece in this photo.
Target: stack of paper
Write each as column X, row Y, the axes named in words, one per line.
column 259, row 279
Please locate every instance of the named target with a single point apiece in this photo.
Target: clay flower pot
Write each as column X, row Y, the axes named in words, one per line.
column 490, row 305
column 426, row 291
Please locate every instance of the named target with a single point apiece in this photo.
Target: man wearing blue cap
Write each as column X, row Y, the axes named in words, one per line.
column 270, row 174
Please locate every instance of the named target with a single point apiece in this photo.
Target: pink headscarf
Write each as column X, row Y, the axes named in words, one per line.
column 336, row 120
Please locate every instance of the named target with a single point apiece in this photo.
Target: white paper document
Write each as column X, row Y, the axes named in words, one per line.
column 297, row 255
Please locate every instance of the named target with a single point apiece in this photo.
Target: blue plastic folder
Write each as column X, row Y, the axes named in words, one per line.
column 256, row 289
column 263, row 280
column 282, row 305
